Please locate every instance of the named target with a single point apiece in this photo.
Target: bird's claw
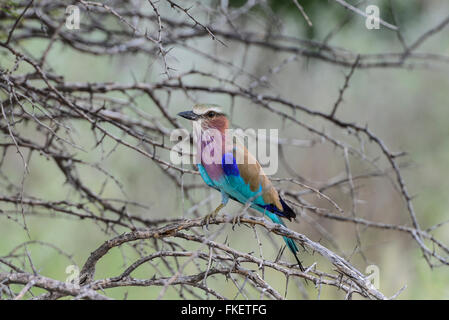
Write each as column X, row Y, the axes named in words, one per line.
column 212, row 215
column 235, row 220
column 208, row 217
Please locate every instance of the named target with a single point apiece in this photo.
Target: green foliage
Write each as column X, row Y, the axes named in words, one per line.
column 8, row 6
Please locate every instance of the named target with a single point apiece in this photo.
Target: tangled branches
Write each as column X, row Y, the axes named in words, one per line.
column 83, row 125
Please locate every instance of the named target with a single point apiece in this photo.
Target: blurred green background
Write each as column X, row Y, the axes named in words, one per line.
column 408, row 109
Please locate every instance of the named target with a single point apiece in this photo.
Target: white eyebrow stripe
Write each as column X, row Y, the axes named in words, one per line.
column 202, row 109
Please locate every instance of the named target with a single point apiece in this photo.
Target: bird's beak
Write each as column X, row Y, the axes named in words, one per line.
column 189, row 115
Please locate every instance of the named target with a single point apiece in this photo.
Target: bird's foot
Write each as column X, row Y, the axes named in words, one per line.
column 212, row 215
column 236, row 220
column 208, row 218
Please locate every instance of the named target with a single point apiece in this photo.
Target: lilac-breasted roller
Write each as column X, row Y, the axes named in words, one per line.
column 228, row 167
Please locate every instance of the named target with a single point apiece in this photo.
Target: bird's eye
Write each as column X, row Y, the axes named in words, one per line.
column 210, row 114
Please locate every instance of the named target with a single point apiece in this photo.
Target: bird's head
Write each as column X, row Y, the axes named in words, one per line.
column 208, row 116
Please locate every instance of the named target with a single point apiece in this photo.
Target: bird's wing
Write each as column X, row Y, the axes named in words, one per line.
column 246, row 181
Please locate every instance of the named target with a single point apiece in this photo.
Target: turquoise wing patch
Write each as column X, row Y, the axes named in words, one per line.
column 234, row 184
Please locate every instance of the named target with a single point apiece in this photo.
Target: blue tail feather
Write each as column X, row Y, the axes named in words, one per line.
column 290, row 242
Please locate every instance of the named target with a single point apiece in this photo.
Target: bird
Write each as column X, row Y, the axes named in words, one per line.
column 242, row 181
